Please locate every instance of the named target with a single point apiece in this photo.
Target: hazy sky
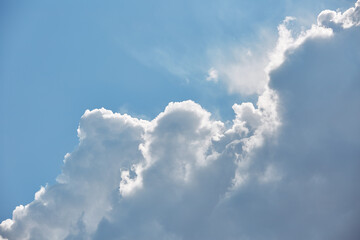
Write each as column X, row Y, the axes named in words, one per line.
column 180, row 119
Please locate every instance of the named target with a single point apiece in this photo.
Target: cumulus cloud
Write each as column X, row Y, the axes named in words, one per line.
column 287, row 168
column 336, row 20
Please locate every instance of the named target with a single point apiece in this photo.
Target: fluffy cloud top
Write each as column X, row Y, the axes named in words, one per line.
column 336, row 20
column 287, row 168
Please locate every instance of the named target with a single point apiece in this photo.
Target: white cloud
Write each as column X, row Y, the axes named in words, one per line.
column 287, row 168
column 242, row 70
column 347, row 19
column 212, row 75
column 39, row 193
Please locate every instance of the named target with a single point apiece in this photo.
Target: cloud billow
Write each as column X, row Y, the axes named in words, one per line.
column 287, row 168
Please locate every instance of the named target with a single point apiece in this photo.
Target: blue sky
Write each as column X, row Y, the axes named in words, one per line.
column 59, row 58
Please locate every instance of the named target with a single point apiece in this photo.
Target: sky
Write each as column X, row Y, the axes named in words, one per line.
column 179, row 119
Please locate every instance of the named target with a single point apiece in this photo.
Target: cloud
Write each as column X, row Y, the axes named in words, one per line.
column 242, row 70
column 213, row 75
column 336, row 20
column 286, row 168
